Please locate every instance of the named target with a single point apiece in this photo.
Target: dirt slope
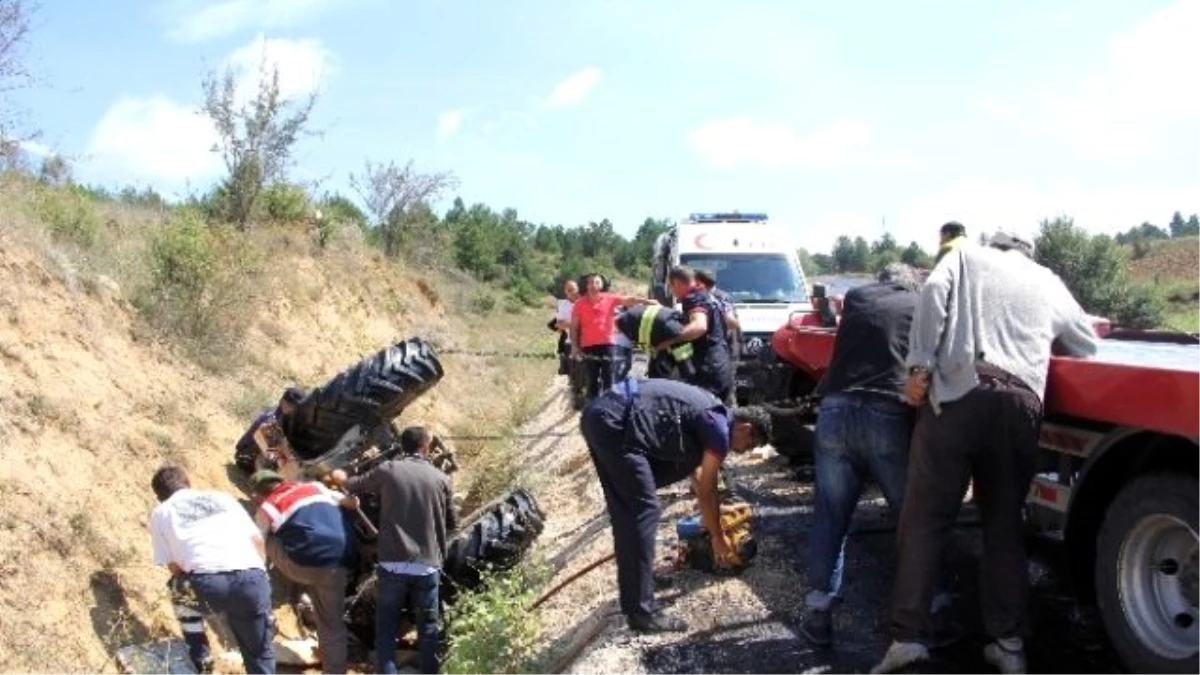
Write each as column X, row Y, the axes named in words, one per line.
column 1169, row 260
column 91, row 403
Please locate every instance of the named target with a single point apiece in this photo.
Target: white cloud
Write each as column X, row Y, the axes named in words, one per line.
column 193, row 21
column 450, row 122
column 163, row 142
column 36, row 149
column 153, row 140
column 573, row 90
column 301, row 64
column 744, row 140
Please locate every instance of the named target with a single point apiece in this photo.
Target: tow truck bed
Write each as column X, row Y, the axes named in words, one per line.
column 1133, row 384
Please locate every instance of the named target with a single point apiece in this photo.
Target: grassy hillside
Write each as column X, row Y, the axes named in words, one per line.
column 1174, row 265
column 135, row 336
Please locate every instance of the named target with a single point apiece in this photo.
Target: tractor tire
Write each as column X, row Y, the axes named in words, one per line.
column 1146, row 574
column 371, row 393
column 779, row 389
column 494, row 538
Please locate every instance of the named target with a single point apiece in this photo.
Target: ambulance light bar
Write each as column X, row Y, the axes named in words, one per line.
column 728, row 217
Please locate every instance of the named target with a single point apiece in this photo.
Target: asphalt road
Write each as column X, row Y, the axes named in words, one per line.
column 1067, row 637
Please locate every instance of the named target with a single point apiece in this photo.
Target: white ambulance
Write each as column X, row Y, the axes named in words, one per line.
column 754, row 261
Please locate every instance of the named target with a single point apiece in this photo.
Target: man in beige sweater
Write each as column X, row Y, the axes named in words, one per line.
column 979, row 352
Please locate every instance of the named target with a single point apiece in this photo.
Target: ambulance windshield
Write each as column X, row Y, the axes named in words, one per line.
column 752, row 278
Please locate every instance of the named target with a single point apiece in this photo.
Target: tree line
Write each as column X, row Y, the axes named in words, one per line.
column 392, row 207
column 1140, row 238
column 856, row 256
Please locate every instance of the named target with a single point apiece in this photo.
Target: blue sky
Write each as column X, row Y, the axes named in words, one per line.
column 835, row 118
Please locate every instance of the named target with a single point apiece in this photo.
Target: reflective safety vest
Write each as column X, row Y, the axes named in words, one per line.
column 680, row 352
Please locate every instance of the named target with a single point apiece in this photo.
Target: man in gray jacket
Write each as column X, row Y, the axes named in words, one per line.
column 416, row 520
column 979, row 352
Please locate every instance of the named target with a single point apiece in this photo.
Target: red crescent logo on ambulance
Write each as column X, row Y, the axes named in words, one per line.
column 700, row 240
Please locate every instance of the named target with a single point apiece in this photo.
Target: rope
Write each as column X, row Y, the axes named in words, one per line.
column 550, row 356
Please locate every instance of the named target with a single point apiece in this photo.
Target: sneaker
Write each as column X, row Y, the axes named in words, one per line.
column 817, row 627
column 655, row 623
column 1005, row 660
column 901, row 654
column 204, row 666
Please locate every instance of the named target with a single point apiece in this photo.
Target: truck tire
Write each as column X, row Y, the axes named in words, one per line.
column 370, row 393
column 1146, row 574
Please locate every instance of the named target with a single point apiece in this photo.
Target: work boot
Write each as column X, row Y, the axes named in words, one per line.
column 817, row 627
column 901, row 654
column 1007, row 658
column 655, row 623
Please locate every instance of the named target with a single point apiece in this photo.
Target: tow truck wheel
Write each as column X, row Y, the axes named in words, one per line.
column 1146, row 574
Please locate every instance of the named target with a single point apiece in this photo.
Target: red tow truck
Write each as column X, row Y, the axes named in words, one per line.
column 1116, row 481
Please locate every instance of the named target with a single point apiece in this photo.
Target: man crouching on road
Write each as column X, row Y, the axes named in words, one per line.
column 646, row 434
column 310, row 540
column 416, row 519
column 979, row 352
column 215, row 555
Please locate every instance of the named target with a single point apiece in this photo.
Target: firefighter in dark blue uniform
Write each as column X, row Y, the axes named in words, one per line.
column 647, row 327
column 646, row 434
column 705, row 330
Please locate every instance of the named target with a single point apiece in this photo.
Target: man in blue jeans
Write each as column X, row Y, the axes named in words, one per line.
column 214, row 552
column 416, row 519
column 863, row 429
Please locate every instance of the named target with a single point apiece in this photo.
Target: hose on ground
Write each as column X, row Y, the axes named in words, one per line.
column 569, row 580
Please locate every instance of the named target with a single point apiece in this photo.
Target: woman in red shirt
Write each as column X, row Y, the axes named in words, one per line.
column 594, row 332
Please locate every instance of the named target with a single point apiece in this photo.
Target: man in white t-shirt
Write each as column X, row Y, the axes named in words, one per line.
column 215, row 553
column 562, row 323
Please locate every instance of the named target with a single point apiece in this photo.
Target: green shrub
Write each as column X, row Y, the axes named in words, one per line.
column 201, row 278
column 68, row 214
column 492, row 630
column 285, row 202
column 513, row 305
column 482, row 302
column 1097, row 271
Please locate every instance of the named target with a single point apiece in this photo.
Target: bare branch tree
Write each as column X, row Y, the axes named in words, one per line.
column 391, row 192
column 14, row 36
column 255, row 139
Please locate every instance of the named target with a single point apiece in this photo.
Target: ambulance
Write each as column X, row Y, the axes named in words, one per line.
column 755, row 262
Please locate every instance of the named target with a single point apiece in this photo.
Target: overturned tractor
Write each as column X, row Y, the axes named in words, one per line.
column 347, row 424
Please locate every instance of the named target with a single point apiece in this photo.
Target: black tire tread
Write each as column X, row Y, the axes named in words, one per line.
column 372, row 392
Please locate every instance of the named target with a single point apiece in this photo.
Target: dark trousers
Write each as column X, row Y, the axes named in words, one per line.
column 991, row 436
column 398, row 592
column 630, row 480
column 564, row 353
column 244, row 597
column 606, row 365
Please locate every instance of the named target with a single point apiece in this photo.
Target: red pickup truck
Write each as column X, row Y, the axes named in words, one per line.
column 1117, row 478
